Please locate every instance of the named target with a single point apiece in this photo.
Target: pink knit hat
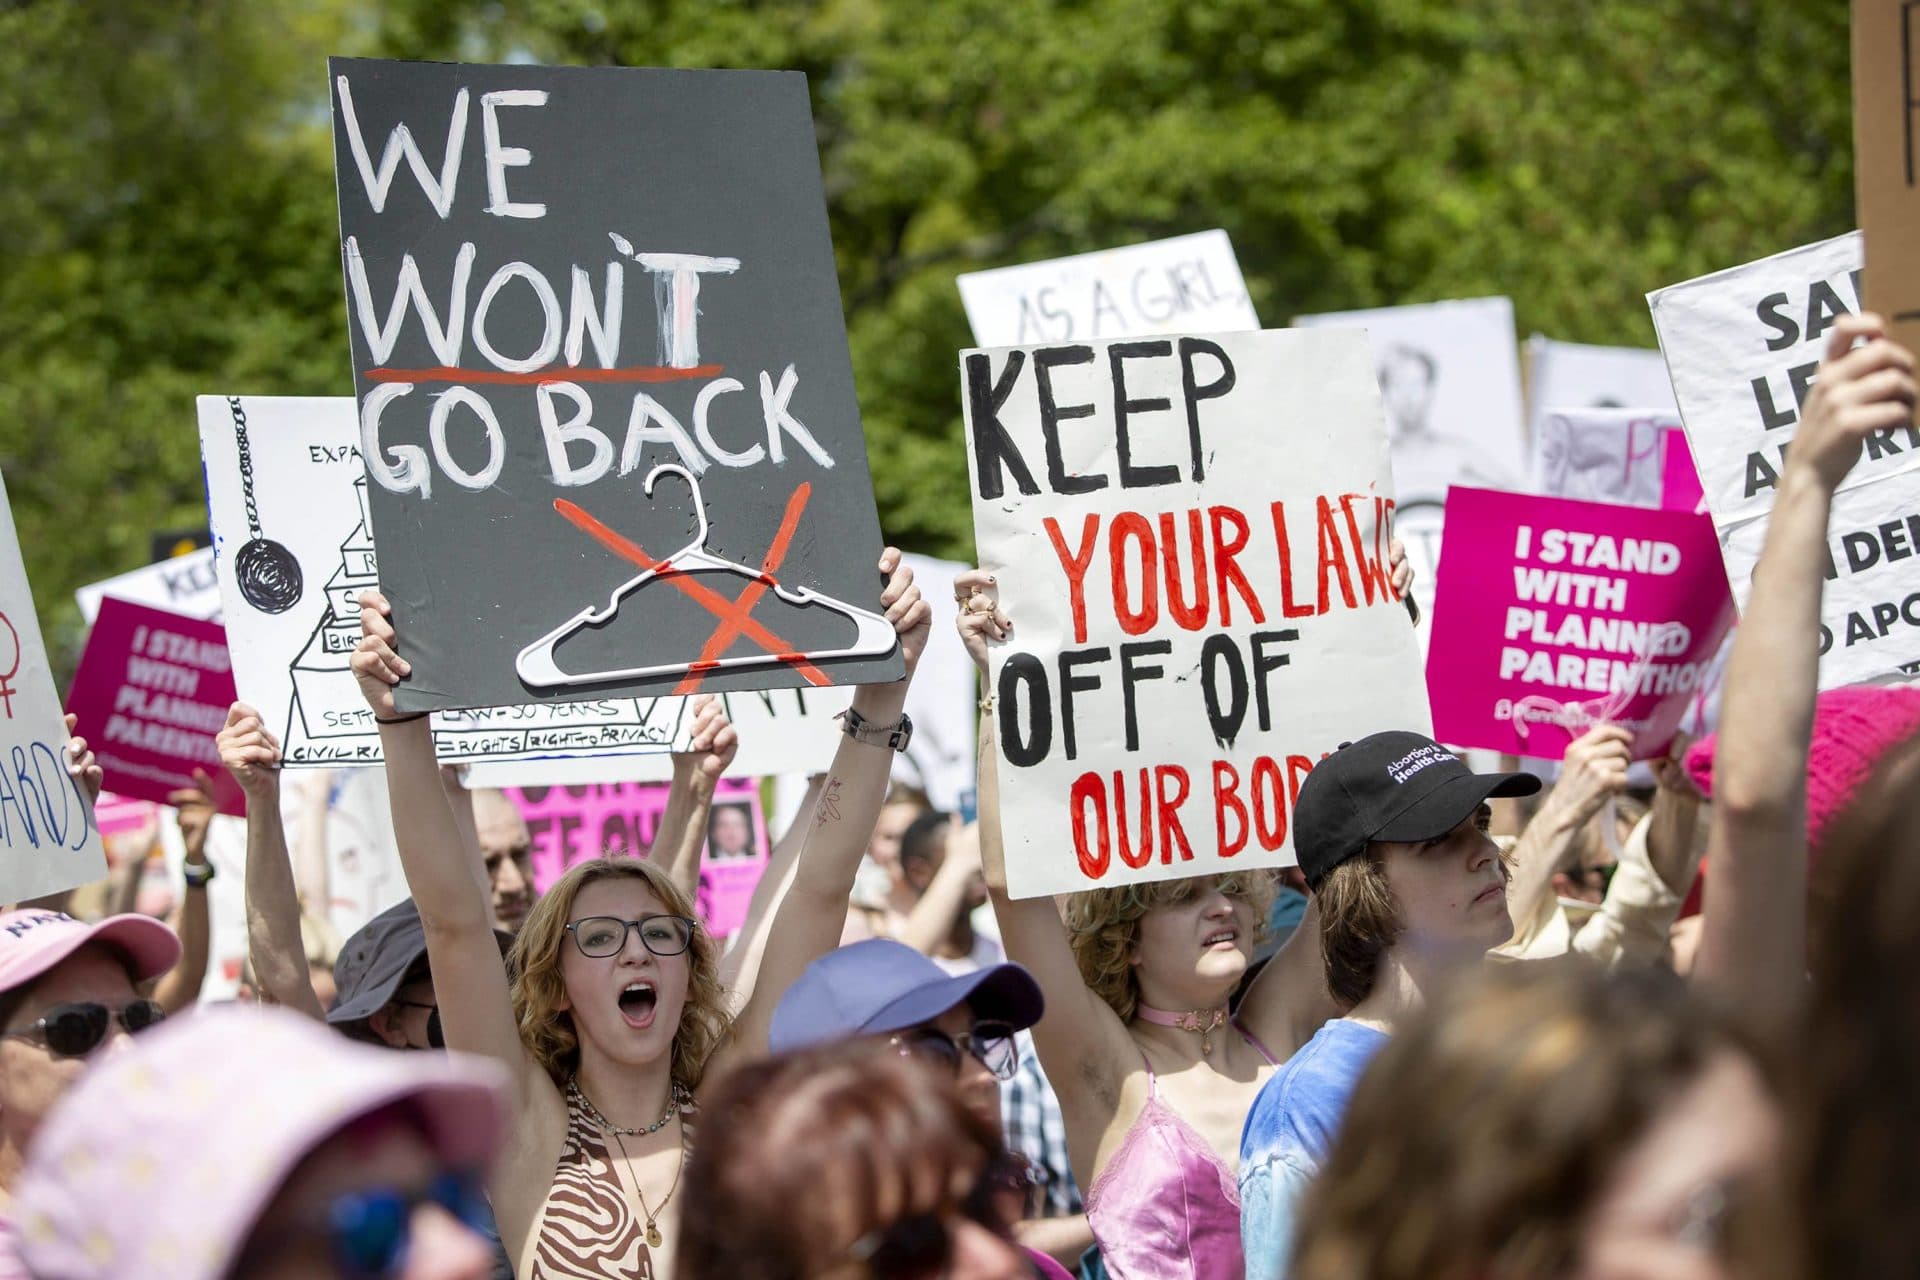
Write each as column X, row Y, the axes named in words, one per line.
column 161, row 1160
column 1853, row 730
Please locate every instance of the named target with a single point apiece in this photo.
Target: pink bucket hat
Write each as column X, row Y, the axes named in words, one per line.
column 1853, row 730
column 32, row 942
column 159, row 1163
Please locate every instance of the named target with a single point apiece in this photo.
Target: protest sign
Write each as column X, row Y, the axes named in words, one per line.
column 1450, row 382
column 1578, row 375
column 1191, row 536
column 1743, row 346
column 577, row 823
column 288, row 471
column 1886, row 159
column 1554, row 615
column 781, row 731
column 184, row 584
column 588, row 499
column 47, row 831
column 1188, row 284
column 1604, row 455
column 152, row 691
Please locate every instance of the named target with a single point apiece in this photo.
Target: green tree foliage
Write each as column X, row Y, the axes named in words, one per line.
column 168, row 221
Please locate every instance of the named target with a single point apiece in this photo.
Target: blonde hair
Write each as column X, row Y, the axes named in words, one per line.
column 538, row 987
column 1104, row 925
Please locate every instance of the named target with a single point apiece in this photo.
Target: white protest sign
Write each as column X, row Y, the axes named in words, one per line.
column 184, row 584
column 1578, row 375
column 1191, row 537
column 1743, row 346
column 1450, row 382
column 781, row 731
column 942, row 758
column 287, row 501
column 1603, row 455
column 1188, row 284
column 48, row 838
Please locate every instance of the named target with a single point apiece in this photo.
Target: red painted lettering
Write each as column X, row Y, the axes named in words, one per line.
column 1225, row 571
column 1269, row 806
column 1075, row 563
column 1170, row 828
column 1333, row 556
column 1087, row 790
column 1288, row 608
column 1127, row 525
column 1373, row 570
column 1190, row 617
column 1226, row 797
column 1128, row 854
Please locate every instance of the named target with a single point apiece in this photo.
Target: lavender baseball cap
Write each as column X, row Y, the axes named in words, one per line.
column 32, row 942
column 161, row 1160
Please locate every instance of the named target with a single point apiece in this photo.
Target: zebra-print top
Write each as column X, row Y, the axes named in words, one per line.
column 589, row 1229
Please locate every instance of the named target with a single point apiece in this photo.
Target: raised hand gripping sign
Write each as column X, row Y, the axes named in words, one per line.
column 606, row 405
column 1192, row 538
column 48, row 839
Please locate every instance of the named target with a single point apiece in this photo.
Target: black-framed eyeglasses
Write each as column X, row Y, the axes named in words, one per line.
column 436, row 1037
column 991, row 1044
column 920, row 1246
column 76, row 1030
column 601, row 936
column 368, row 1232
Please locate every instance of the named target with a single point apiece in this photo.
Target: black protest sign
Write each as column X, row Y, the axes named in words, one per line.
column 606, row 406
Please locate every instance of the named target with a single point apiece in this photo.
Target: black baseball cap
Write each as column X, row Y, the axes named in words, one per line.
column 381, row 957
column 1391, row 786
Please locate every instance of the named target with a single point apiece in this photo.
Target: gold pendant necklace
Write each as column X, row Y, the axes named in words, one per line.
column 654, row 1238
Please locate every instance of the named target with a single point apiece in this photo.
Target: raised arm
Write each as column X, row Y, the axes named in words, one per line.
column 1753, row 935
column 1082, row 1043
column 274, row 948
column 1593, row 772
column 194, row 810
column 807, row 923
column 446, row 879
column 696, row 772
column 932, row 919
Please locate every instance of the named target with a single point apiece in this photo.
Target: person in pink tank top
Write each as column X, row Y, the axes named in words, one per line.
column 1154, row 1078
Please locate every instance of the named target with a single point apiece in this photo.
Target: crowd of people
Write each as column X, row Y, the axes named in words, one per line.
column 1482, row 1031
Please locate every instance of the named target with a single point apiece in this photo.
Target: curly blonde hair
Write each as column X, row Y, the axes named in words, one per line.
column 1104, row 925
column 547, row 1030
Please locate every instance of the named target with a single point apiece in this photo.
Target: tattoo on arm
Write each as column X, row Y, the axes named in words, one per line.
column 828, row 809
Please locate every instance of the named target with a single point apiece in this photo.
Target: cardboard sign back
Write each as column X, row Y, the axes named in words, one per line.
column 1886, row 158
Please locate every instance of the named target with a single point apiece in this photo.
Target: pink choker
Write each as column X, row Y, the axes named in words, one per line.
column 1203, row 1022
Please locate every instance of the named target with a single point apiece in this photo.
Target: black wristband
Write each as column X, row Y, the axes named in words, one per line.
column 407, row 719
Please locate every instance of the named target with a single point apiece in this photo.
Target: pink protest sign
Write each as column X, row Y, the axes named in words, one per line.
column 1680, row 488
column 151, row 693
column 574, row 824
column 1551, row 615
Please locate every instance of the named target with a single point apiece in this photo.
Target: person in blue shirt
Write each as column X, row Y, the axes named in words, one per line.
column 1391, row 833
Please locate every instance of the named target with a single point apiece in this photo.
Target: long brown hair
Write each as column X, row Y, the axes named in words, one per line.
column 547, row 1030
column 1857, row 1119
column 1104, row 926
column 801, row 1156
column 1487, row 1128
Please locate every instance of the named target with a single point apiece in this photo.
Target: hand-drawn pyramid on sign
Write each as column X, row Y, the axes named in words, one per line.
column 326, row 700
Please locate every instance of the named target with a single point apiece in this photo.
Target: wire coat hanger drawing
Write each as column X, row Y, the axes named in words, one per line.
column 539, row 668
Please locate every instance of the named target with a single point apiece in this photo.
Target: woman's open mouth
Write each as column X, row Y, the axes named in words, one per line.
column 637, row 1003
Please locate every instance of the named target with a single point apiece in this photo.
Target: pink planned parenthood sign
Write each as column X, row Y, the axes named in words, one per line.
column 574, row 824
column 151, row 693
column 1552, row 615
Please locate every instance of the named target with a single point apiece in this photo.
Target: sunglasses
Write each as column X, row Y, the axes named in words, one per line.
column 991, row 1044
column 436, row 1038
column 76, row 1030
column 368, row 1232
column 920, row 1246
column 602, row 936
